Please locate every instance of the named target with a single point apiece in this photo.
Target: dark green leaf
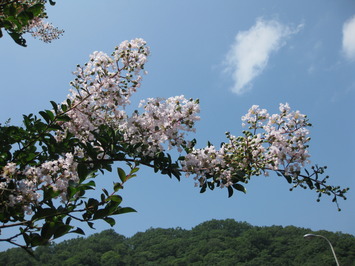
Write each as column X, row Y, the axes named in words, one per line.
column 63, row 118
column 55, row 106
column 68, row 220
column 78, row 230
column 230, row 191
column 91, row 225
column 45, row 116
column 102, row 213
column 125, row 210
column 239, row 187
column 288, row 178
column 82, row 171
column 110, row 221
column 103, row 199
column 92, row 203
column 48, row 230
column 37, row 240
column 62, row 230
column 44, row 213
column 203, row 188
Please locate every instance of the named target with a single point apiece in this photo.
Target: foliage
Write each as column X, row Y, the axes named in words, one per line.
column 48, row 165
column 215, row 242
column 18, row 17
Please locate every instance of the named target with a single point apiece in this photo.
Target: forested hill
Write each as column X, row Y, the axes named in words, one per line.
column 216, row 242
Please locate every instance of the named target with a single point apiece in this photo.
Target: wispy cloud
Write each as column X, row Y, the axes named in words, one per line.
column 249, row 54
column 349, row 39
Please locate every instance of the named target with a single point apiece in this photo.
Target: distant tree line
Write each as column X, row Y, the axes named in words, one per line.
column 215, row 242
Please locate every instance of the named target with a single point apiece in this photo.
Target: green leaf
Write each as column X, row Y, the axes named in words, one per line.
column 36, row 9
column 309, row 183
column 54, row 127
column 31, row 156
column 71, row 191
column 12, row 10
column 26, row 237
column 103, row 199
column 64, row 107
column 45, row 116
column 117, row 186
column 63, row 118
column 55, row 106
column 91, row 184
column 115, row 198
column 134, row 170
column 62, row 230
column 68, row 220
column 37, row 240
column 203, row 188
column 122, row 174
column 18, row 38
column 105, row 191
column 78, row 230
column 110, row 221
column 210, row 185
column 124, row 210
column 50, row 114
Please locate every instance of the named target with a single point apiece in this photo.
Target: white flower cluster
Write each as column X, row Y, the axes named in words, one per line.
column 25, row 186
column 103, row 88
column 282, row 145
column 101, row 91
column 287, row 136
column 164, row 120
column 45, row 31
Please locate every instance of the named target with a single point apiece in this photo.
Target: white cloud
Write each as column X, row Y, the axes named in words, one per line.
column 249, row 55
column 349, row 38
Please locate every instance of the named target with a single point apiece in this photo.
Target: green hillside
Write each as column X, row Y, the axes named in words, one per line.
column 215, row 242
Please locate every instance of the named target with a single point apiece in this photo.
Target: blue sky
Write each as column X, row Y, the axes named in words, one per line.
column 231, row 55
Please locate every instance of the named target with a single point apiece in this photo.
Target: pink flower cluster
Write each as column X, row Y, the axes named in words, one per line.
column 281, row 145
